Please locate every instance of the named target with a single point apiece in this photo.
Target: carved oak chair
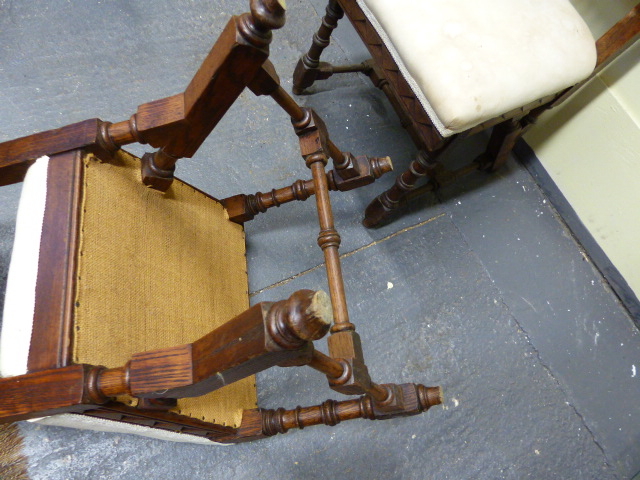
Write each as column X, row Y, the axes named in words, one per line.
column 127, row 306
column 452, row 69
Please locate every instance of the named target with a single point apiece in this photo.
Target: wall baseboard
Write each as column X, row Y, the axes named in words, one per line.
column 618, row 284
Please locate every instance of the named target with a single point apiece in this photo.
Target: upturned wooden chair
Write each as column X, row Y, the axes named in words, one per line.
column 127, row 306
column 452, row 69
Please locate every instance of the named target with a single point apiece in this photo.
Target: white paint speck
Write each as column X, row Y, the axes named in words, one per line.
column 389, row 285
column 537, row 452
column 413, row 436
column 455, row 402
column 633, row 371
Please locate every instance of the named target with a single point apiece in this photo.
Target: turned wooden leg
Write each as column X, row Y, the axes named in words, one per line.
column 308, row 66
column 382, row 207
column 415, row 399
column 242, row 208
column 503, row 138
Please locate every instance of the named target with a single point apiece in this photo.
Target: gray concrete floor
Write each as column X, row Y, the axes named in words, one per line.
column 481, row 289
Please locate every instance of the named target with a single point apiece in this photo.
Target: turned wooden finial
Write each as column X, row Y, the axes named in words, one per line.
column 429, row 396
column 305, row 316
column 266, row 15
column 269, row 14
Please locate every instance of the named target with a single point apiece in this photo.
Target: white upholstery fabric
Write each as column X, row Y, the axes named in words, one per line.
column 71, row 420
column 20, row 295
column 470, row 61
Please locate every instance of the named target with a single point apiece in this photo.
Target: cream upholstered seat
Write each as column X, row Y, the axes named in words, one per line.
column 471, row 61
column 152, row 270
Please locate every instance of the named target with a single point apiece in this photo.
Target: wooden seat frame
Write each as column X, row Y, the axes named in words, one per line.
column 385, row 74
column 267, row 334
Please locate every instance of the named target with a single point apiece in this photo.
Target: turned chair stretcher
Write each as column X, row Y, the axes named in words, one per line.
column 134, row 310
column 452, row 69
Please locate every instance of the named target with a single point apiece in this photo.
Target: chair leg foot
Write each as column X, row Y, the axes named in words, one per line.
column 304, row 75
column 308, row 66
column 379, row 212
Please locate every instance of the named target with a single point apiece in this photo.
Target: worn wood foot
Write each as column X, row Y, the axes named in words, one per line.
column 380, row 210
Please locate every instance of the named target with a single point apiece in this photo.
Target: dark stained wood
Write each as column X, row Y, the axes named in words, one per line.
column 44, row 393
column 380, row 209
column 163, row 420
column 55, row 287
column 312, row 136
column 226, row 71
column 267, row 82
column 329, row 366
column 14, row 173
column 160, row 370
column 503, row 138
column 410, row 399
column 355, row 378
column 242, row 208
column 618, row 38
column 263, row 336
column 26, row 149
column 152, row 123
column 308, row 67
column 347, row 375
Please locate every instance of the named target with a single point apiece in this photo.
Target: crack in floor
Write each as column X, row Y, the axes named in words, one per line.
column 543, row 364
column 345, row 255
column 550, row 373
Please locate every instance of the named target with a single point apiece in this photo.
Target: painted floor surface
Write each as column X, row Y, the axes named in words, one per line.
column 481, row 289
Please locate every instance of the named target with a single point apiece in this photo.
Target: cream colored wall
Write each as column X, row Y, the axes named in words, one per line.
column 590, row 146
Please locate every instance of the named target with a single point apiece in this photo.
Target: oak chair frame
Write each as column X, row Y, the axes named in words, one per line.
column 385, row 75
column 280, row 333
